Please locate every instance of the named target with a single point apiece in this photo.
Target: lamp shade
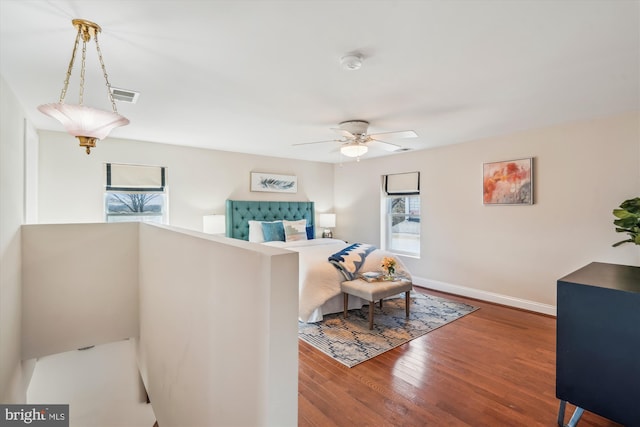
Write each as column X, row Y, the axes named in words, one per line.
column 80, row 120
column 327, row 220
column 354, row 149
column 214, row 224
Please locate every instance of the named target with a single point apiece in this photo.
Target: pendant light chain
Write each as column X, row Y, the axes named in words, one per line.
column 84, row 57
column 63, row 94
column 86, row 36
column 106, row 77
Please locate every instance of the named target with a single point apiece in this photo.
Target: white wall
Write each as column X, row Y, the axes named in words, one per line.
column 80, row 286
column 218, row 330
column 582, row 171
column 71, row 183
column 216, row 318
column 14, row 374
column 511, row 254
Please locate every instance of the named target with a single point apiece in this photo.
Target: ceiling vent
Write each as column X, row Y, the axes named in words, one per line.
column 125, row 95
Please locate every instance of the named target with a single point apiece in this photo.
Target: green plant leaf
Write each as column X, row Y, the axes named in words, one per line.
column 631, row 205
column 623, row 241
column 625, row 222
column 628, row 220
column 622, row 214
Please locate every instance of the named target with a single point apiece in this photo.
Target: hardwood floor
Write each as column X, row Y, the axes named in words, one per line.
column 494, row 367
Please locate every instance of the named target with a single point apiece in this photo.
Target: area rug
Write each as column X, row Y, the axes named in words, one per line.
column 350, row 341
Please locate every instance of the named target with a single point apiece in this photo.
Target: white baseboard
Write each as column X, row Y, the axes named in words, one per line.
column 485, row 296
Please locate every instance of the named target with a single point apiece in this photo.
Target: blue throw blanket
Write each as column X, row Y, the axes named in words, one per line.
column 349, row 260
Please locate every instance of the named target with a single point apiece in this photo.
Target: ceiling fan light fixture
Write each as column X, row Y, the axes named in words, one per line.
column 86, row 123
column 354, row 150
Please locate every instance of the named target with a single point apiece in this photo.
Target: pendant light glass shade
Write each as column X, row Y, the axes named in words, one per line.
column 80, row 120
column 85, row 123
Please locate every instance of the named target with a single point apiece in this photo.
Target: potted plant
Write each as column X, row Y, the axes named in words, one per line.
column 628, row 221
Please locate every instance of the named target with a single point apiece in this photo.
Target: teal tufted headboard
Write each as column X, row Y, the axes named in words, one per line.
column 240, row 212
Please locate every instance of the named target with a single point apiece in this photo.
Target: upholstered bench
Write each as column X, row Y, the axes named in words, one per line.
column 374, row 291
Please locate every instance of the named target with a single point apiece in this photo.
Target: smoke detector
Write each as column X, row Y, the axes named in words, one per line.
column 351, row 62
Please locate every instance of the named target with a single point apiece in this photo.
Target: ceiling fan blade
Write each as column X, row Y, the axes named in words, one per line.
column 319, row 142
column 389, row 146
column 344, row 133
column 396, row 135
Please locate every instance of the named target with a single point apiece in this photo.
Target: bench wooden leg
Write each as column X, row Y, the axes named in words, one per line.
column 407, row 302
column 371, row 307
column 346, row 303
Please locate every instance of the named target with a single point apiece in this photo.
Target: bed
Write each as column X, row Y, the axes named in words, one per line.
column 319, row 284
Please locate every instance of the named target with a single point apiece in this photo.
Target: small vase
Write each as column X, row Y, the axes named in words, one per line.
column 390, row 274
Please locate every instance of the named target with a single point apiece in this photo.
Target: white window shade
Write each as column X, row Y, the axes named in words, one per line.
column 135, row 178
column 402, row 184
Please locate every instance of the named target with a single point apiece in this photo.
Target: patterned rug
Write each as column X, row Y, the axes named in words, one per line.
column 350, row 341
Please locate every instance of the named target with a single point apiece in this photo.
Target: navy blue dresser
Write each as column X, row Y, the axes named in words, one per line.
column 598, row 342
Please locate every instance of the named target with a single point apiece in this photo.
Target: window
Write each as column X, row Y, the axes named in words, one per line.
column 135, row 193
column 401, row 230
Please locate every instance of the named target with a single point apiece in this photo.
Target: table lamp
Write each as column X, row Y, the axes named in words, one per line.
column 327, row 221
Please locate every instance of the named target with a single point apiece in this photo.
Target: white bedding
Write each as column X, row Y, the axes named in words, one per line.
column 320, row 281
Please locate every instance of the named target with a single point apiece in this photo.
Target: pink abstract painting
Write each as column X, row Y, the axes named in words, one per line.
column 508, row 183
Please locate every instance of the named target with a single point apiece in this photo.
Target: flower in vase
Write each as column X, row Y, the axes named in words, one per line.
column 389, row 265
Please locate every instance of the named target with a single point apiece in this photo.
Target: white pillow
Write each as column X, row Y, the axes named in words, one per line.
column 255, row 232
column 295, row 230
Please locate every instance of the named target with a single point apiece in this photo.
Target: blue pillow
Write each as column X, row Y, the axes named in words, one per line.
column 273, row 231
column 311, row 233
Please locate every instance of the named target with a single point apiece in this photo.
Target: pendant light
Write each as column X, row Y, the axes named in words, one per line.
column 85, row 123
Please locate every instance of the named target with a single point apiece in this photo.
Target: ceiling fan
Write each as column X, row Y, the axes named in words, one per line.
column 355, row 139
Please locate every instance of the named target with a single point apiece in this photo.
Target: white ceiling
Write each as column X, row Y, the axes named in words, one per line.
column 259, row 76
